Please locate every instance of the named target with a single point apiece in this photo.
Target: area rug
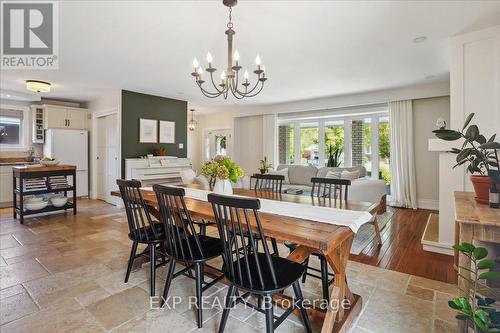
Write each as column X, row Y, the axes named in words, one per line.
column 367, row 233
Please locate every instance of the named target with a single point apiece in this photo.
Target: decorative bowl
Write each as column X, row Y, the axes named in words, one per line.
column 58, row 201
column 37, row 205
column 34, row 199
column 48, row 163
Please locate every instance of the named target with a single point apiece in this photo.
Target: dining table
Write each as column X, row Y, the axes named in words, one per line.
column 313, row 237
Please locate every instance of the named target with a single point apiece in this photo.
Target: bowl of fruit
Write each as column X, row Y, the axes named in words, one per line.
column 47, row 161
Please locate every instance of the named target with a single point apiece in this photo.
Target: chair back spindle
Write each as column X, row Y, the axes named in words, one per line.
column 182, row 241
column 268, row 182
column 244, row 264
column 325, row 187
column 140, row 224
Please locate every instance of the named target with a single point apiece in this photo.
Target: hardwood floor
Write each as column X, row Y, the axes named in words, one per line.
column 402, row 251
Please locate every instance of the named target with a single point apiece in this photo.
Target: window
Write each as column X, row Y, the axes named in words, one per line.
column 12, row 128
column 342, row 137
column 334, row 142
column 309, row 144
column 384, row 149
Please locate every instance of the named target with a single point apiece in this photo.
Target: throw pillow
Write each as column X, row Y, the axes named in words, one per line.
column 282, row 172
column 351, row 175
column 333, row 174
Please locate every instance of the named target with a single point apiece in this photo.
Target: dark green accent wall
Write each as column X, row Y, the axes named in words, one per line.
column 136, row 105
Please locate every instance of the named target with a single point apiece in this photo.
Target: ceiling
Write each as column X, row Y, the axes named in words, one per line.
column 311, row 49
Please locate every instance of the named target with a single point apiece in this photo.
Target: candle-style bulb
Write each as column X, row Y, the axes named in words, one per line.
column 223, row 75
column 245, row 75
column 195, row 63
column 199, row 71
column 209, row 57
column 257, row 61
column 236, row 55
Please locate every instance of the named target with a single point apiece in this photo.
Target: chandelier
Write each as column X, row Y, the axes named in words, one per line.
column 230, row 77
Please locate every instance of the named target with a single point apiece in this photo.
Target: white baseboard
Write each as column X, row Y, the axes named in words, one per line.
column 428, row 204
column 438, row 248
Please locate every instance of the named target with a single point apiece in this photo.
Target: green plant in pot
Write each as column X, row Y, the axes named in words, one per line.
column 334, row 153
column 474, row 306
column 265, row 165
column 478, row 154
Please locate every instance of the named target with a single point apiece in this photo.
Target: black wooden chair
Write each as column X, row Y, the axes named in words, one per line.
column 268, row 182
column 183, row 244
column 256, row 273
column 324, row 189
column 142, row 228
column 272, row 185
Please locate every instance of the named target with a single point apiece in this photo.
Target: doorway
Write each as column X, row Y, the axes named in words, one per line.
column 108, row 166
column 216, row 142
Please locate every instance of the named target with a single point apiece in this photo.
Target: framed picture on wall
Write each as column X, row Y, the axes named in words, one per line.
column 148, row 130
column 167, row 131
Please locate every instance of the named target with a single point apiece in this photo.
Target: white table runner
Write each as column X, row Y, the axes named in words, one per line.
column 349, row 218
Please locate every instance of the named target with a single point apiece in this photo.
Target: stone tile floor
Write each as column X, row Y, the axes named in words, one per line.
column 64, row 273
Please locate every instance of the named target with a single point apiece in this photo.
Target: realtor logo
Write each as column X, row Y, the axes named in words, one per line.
column 29, row 35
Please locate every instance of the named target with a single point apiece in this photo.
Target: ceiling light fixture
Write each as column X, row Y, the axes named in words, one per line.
column 229, row 78
column 419, row 39
column 38, row 86
column 192, row 123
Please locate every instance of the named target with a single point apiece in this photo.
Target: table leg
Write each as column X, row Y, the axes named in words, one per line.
column 466, row 233
column 14, row 198
column 337, row 258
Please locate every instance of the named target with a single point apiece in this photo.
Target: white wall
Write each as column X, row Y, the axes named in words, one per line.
column 248, row 139
column 425, row 113
column 474, row 87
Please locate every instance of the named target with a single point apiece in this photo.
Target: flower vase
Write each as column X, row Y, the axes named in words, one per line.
column 223, row 186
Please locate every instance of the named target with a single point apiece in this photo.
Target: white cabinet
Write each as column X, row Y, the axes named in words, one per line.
column 56, row 116
column 77, row 119
column 6, row 187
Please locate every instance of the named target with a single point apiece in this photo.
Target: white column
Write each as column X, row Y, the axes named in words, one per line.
column 347, row 143
column 375, row 147
column 321, row 143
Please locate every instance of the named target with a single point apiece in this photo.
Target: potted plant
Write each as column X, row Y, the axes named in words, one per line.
column 478, row 154
column 224, row 171
column 265, row 165
column 474, row 307
column 334, row 153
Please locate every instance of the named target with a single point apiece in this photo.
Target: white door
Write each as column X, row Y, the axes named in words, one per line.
column 101, row 158
column 107, row 157
column 112, row 162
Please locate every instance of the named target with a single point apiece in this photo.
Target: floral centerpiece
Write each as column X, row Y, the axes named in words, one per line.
column 224, row 171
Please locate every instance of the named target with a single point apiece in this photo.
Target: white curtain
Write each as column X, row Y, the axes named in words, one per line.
column 403, row 185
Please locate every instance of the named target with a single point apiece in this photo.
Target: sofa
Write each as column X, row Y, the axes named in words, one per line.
column 362, row 189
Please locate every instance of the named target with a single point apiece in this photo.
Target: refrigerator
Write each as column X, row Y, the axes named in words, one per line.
column 70, row 147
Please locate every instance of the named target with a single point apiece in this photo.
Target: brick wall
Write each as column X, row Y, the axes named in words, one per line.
column 284, row 144
column 357, row 142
